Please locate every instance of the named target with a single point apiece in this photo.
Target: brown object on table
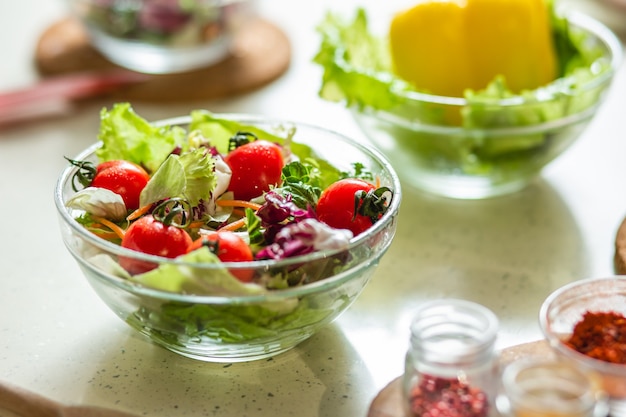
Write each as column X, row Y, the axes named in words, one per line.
column 388, row 402
column 620, row 250
column 261, row 52
column 23, row 403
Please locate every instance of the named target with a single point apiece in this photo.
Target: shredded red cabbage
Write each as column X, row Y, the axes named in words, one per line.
column 305, row 236
column 279, row 211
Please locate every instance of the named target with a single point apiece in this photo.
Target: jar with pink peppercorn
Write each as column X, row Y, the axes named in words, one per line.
column 451, row 368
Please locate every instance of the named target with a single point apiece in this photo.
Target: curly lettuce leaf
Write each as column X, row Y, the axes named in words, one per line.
column 357, row 65
column 302, row 181
column 126, row 135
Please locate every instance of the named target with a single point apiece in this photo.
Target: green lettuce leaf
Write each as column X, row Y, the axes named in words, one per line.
column 230, row 323
column 167, row 182
column 194, row 280
column 219, row 130
column 126, row 135
column 357, row 65
column 190, row 176
column 199, row 167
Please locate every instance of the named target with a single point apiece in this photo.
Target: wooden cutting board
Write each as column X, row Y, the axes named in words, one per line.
column 260, row 54
column 388, row 402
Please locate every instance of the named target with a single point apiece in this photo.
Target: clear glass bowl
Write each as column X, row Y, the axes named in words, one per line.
column 162, row 36
column 241, row 328
column 565, row 307
column 449, row 159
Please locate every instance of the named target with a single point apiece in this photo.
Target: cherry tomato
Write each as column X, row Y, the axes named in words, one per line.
column 122, row 177
column 228, row 247
column 149, row 235
column 255, row 166
column 352, row 204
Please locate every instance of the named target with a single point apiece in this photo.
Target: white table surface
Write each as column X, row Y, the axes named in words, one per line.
column 59, row 340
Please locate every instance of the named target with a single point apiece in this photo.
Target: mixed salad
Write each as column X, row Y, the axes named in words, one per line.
column 217, row 192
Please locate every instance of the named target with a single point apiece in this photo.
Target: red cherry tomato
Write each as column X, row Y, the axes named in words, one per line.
column 122, row 177
column 337, row 203
column 255, row 166
column 228, row 247
column 153, row 237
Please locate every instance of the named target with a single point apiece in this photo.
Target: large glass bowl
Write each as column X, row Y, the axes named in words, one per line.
column 434, row 150
column 565, row 307
column 222, row 328
column 163, row 36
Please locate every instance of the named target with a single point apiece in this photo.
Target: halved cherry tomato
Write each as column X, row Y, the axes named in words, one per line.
column 255, row 166
column 352, row 204
column 228, row 247
column 122, row 177
column 151, row 236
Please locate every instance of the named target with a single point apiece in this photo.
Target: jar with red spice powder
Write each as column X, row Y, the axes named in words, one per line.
column 450, row 366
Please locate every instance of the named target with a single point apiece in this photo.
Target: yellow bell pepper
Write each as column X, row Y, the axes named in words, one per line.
column 447, row 46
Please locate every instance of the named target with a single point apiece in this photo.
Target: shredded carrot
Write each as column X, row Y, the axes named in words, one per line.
column 237, row 224
column 239, row 212
column 115, row 228
column 195, row 225
column 238, row 203
column 105, row 235
column 377, row 181
column 139, row 212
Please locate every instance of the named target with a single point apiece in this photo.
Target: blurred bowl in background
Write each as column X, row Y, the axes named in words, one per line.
column 617, row 3
column 163, row 36
column 456, row 148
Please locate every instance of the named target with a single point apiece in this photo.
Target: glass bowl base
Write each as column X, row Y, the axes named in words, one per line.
column 206, row 350
column 153, row 59
column 462, row 187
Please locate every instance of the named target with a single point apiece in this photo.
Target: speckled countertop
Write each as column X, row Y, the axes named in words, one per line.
column 59, row 340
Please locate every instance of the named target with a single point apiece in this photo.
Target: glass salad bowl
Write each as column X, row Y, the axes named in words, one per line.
column 162, row 36
column 202, row 311
column 565, row 308
column 486, row 143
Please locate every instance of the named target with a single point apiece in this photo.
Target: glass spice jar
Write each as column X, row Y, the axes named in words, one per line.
column 451, row 367
column 550, row 388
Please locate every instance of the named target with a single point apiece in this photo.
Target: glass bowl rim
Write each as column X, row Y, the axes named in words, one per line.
column 317, row 286
column 556, row 343
column 444, row 130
